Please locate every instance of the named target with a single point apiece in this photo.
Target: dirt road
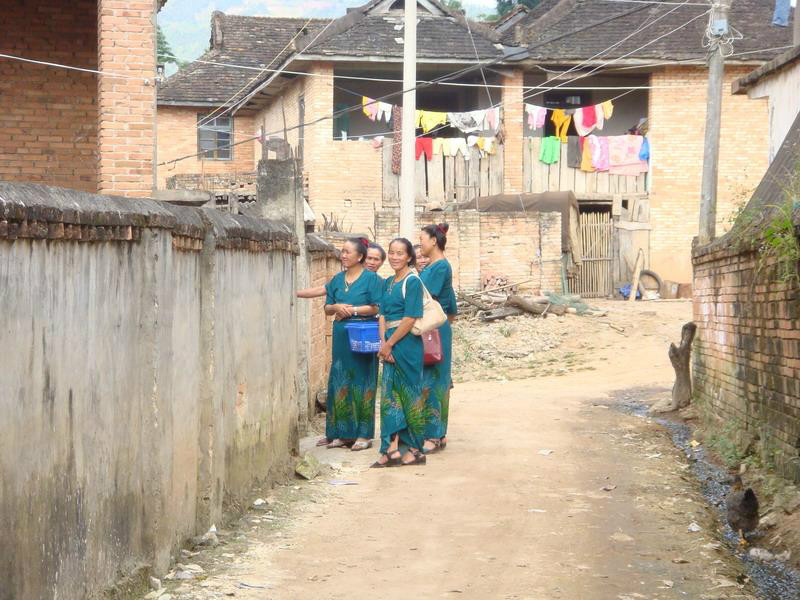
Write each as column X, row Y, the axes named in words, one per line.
column 545, row 491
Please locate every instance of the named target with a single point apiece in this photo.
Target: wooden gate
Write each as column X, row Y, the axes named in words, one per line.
column 594, row 274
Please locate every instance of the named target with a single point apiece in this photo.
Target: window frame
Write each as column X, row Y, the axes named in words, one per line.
column 213, row 154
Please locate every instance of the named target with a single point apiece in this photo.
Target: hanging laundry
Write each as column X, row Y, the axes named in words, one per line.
column 428, row 119
column 493, row 119
column 370, row 107
column 424, row 145
column 573, row 152
column 781, row 15
column 465, row 121
column 384, row 112
column 586, row 156
column 550, row 150
column 341, row 123
column 608, row 108
column 489, row 145
column 594, row 144
column 600, row 160
column 459, row 145
column 377, row 142
column 397, row 139
column 644, row 153
column 441, row 146
column 561, row 120
column 536, row 116
column 587, row 116
column 623, row 155
column 599, row 116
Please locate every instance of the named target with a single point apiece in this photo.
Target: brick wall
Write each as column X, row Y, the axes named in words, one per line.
column 521, row 246
column 344, row 178
column 324, row 266
column 513, row 110
column 677, row 125
column 48, row 116
column 746, row 357
column 126, row 106
column 177, row 136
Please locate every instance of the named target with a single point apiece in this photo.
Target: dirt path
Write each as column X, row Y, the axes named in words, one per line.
column 545, row 491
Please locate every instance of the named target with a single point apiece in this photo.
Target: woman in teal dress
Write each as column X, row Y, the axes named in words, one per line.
column 403, row 414
column 352, row 295
column 437, row 380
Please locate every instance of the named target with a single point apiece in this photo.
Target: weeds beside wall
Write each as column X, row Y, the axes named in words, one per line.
column 150, row 377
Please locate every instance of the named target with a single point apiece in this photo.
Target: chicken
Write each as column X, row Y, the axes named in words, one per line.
column 742, row 509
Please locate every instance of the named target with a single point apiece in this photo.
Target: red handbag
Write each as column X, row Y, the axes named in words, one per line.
column 432, row 346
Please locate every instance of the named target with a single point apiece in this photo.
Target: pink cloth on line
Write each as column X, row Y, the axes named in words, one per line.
column 623, row 155
column 600, row 116
column 594, row 144
column 579, row 118
column 589, row 116
column 601, row 162
column 536, row 116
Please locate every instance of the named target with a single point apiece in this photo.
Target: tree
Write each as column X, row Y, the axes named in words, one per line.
column 165, row 53
column 454, row 5
column 505, row 6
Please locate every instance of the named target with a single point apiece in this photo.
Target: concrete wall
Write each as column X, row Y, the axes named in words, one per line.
column 155, row 379
column 746, row 357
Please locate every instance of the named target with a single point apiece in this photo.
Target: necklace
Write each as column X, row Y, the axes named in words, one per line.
column 394, row 281
column 346, row 284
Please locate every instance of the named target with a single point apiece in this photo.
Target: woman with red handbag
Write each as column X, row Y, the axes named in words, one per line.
column 437, row 380
column 403, row 414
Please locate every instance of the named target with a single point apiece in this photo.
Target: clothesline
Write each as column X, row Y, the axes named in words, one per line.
column 487, row 119
column 619, row 154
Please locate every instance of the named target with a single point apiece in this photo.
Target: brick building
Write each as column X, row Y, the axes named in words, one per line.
column 648, row 58
column 74, row 128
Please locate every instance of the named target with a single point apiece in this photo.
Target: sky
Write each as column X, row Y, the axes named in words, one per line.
column 186, row 23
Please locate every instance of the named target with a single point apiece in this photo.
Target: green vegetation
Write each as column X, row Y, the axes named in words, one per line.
column 165, row 52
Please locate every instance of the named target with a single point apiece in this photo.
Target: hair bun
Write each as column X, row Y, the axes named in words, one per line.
column 443, row 227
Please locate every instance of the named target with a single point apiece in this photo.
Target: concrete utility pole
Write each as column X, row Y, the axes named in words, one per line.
column 718, row 29
column 407, row 164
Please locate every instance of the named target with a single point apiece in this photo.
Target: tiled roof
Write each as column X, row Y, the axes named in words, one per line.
column 599, row 23
column 437, row 38
column 246, row 41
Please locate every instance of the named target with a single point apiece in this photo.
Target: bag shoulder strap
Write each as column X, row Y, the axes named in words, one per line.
column 425, row 292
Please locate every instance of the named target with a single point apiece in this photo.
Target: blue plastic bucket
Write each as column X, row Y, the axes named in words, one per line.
column 364, row 337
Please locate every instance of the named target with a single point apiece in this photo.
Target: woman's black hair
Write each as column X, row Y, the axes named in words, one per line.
column 409, row 250
column 439, row 232
column 361, row 245
column 374, row 246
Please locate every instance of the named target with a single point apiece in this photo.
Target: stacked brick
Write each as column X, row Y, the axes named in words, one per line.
column 746, row 358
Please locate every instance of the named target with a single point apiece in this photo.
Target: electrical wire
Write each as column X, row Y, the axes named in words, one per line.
column 71, row 68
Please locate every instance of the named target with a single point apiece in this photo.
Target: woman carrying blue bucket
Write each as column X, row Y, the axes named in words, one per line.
column 352, row 297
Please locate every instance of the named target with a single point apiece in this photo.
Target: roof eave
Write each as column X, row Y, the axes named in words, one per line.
column 743, row 84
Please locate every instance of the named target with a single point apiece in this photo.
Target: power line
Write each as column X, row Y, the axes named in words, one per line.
column 71, row 68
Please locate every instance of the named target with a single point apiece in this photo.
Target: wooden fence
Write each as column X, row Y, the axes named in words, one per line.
column 594, row 275
column 447, row 178
column 539, row 177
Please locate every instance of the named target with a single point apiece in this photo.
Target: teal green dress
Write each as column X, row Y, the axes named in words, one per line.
column 403, row 410
column 437, row 379
column 353, row 379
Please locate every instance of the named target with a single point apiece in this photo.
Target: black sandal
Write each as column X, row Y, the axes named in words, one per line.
column 419, row 459
column 390, row 462
column 437, row 447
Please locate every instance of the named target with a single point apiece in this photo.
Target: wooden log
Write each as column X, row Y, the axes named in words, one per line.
column 680, row 357
column 535, row 308
column 637, row 271
column 503, row 312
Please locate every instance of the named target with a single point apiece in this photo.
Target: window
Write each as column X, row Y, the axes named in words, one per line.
column 215, row 137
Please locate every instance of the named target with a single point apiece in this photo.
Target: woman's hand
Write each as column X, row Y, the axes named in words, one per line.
column 342, row 311
column 385, row 353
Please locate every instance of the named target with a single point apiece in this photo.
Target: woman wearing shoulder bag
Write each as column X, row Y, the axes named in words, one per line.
column 403, row 411
column 437, row 379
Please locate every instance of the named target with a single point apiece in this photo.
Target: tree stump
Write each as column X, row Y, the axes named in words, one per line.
column 680, row 357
